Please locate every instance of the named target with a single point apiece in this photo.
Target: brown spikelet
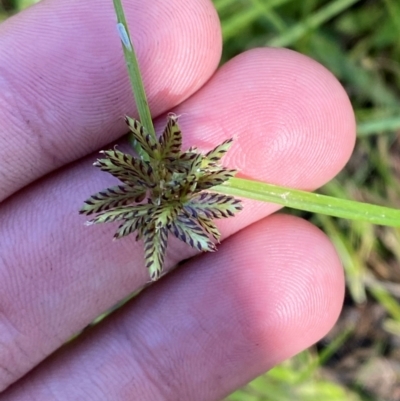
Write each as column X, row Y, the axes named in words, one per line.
column 188, row 230
column 217, row 177
column 132, row 171
column 112, row 197
column 124, row 213
column 219, row 151
column 209, row 227
column 212, row 206
column 171, row 139
column 145, row 140
column 155, row 244
column 128, row 227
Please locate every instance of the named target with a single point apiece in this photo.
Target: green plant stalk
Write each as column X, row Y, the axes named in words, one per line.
column 332, row 9
column 261, row 191
column 135, row 79
column 374, row 127
column 239, row 21
column 310, row 202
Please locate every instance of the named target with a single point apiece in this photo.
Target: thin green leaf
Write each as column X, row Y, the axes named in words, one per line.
column 311, row 202
column 378, row 126
column 134, row 73
column 297, row 31
column 112, row 197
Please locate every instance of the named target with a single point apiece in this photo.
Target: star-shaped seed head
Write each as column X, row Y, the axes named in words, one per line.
column 164, row 193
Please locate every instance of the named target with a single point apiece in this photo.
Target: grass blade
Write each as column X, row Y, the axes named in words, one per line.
column 311, row 202
column 324, row 14
column 374, row 127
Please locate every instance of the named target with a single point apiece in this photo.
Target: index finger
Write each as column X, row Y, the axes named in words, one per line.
column 63, row 83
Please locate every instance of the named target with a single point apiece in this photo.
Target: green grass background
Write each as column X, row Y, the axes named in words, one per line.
column 359, row 41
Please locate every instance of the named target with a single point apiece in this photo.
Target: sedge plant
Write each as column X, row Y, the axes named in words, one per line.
column 169, row 191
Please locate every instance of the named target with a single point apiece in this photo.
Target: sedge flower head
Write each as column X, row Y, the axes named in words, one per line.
column 166, row 192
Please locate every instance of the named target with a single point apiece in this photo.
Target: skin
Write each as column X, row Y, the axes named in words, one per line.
column 274, row 287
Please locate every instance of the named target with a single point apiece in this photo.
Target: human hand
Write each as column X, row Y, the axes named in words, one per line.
column 274, row 287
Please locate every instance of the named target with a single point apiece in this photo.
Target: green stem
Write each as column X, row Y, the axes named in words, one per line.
column 310, row 202
column 134, row 71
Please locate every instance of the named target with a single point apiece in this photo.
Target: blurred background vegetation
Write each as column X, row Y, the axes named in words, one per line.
column 359, row 41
